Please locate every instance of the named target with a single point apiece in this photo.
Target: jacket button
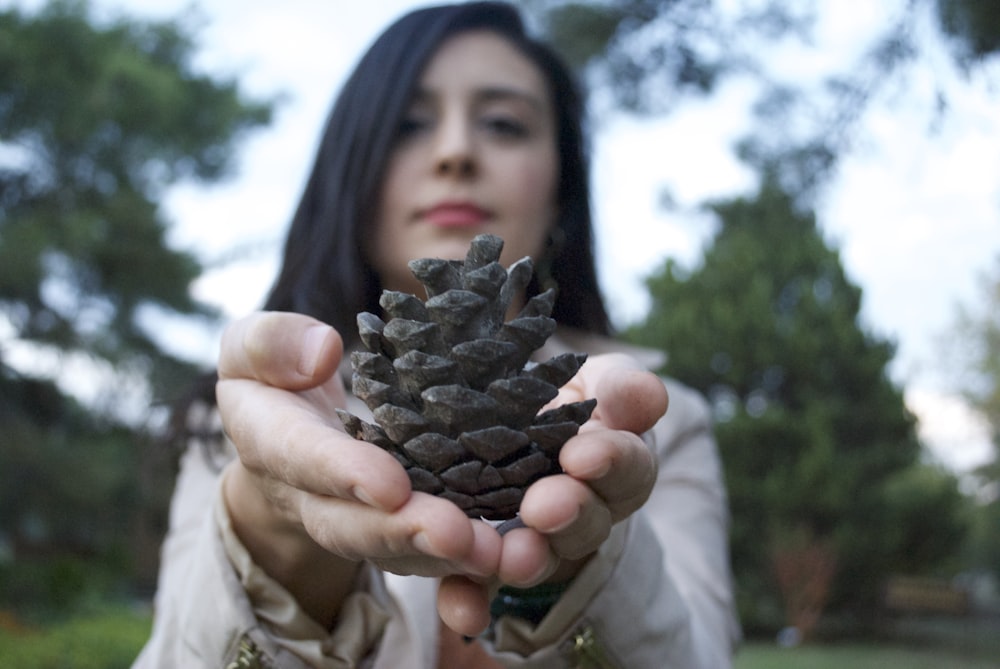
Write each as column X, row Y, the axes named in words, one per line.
column 248, row 656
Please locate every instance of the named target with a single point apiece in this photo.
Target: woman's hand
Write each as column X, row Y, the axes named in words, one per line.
column 310, row 502
column 609, row 472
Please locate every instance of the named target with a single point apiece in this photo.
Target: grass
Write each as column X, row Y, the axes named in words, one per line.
column 855, row 656
column 107, row 640
column 111, row 638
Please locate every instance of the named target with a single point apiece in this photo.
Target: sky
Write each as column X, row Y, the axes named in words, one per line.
column 915, row 217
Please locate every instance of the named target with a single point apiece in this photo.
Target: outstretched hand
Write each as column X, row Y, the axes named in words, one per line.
column 311, row 503
column 608, row 474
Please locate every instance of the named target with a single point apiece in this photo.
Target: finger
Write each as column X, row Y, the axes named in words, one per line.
column 628, row 396
column 630, row 399
column 484, row 558
column 480, row 562
column 574, row 520
column 616, row 465
column 282, row 436
column 424, row 527
column 526, row 559
column 286, row 350
column 463, row 605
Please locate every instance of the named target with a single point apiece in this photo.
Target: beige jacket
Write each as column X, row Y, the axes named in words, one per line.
column 657, row 595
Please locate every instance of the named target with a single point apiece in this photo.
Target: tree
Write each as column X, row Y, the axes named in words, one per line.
column 96, row 121
column 647, row 56
column 979, row 329
column 820, row 452
column 973, row 27
column 812, row 432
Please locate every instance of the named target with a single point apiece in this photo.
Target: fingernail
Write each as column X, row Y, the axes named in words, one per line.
column 559, row 527
column 363, row 496
column 313, row 342
column 565, row 524
column 598, row 471
column 422, row 543
column 547, row 570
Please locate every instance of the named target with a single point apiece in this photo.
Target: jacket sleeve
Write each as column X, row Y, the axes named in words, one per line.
column 214, row 608
column 658, row 594
column 198, row 619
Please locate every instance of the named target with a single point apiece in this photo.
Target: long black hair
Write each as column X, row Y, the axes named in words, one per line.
column 325, row 272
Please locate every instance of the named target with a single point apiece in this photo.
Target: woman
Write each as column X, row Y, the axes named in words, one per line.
column 309, row 548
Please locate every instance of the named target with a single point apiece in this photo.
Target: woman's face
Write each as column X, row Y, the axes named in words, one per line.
column 476, row 153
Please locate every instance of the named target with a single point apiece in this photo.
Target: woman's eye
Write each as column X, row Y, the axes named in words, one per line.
column 412, row 125
column 506, row 127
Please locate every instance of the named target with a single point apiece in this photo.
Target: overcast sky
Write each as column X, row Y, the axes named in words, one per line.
column 915, row 216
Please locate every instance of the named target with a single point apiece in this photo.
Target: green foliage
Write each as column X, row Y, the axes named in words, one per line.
column 928, row 519
column 107, row 640
column 973, row 26
column 978, row 328
column 761, row 656
column 96, row 121
column 815, row 438
column 76, row 501
column 651, row 55
column 983, row 542
column 645, row 53
column 54, row 587
column 582, row 31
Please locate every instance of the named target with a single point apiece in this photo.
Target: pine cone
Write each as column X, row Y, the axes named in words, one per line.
column 454, row 397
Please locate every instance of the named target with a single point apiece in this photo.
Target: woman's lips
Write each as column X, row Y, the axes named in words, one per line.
column 455, row 215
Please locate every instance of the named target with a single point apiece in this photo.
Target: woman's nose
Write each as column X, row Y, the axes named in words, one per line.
column 455, row 151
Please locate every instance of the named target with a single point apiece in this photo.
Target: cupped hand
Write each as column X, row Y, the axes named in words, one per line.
column 608, row 474
column 310, row 502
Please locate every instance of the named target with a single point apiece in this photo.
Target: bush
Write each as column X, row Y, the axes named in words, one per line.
column 51, row 589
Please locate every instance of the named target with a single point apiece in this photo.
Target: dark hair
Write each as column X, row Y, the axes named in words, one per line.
column 324, row 272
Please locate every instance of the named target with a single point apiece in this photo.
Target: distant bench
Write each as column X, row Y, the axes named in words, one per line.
column 907, row 594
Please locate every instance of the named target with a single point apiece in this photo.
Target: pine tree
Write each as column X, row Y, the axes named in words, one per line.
column 978, row 329
column 810, row 427
column 97, row 120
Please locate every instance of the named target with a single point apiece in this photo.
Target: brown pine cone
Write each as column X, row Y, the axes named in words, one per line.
column 449, row 383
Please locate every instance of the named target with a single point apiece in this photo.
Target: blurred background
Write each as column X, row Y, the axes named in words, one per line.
column 797, row 200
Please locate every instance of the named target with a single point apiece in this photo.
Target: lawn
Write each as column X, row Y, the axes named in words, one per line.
column 855, row 656
column 111, row 639
column 108, row 640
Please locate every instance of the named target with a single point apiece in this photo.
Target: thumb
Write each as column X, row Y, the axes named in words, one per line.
column 630, row 399
column 284, row 350
column 463, row 605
